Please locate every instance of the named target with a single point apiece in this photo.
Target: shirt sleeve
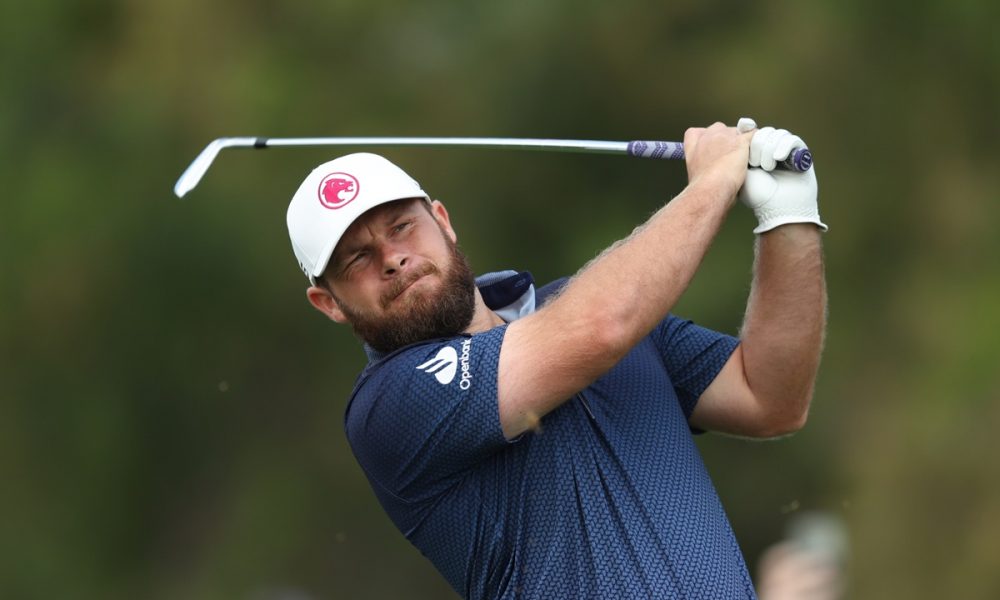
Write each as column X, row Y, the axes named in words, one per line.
column 693, row 356
column 428, row 413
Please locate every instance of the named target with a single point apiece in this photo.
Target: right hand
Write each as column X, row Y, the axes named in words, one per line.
column 719, row 155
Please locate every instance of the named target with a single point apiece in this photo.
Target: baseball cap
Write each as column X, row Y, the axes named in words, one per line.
column 333, row 196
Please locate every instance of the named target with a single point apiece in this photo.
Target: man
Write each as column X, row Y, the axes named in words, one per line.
column 537, row 443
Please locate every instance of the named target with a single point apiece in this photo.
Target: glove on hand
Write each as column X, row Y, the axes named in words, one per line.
column 778, row 197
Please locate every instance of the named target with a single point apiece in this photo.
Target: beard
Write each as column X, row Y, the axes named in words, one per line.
column 443, row 312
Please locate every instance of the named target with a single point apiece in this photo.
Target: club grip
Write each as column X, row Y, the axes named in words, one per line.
column 800, row 159
column 646, row 149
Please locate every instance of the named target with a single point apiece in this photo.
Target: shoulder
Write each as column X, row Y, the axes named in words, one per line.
column 434, row 368
column 427, row 411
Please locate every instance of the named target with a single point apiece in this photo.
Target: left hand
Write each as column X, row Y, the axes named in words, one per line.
column 779, row 197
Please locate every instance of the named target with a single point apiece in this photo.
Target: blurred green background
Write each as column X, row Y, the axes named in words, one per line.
column 171, row 415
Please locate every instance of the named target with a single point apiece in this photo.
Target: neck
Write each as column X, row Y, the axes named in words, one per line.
column 483, row 319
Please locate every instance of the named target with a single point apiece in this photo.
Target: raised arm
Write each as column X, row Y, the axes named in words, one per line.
column 619, row 297
column 765, row 388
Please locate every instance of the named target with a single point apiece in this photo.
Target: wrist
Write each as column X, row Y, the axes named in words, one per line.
column 717, row 185
column 781, row 198
column 796, row 230
column 811, row 222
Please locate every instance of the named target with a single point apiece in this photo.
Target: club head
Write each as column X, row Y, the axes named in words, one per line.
column 199, row 166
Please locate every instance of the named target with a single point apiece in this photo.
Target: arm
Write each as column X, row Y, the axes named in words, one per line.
column 559, row 350
column 765, row 388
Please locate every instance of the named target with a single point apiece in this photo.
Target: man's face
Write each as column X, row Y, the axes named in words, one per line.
column 398, row 277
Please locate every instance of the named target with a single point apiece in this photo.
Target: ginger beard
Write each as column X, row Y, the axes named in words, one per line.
column 445, row 311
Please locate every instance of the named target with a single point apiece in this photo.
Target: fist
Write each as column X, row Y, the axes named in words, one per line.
column 718, row 153
column 779, row 197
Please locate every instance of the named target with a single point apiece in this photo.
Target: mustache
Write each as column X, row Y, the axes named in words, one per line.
column 404, row 281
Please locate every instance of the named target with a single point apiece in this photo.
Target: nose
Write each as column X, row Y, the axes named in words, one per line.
column 394, row 260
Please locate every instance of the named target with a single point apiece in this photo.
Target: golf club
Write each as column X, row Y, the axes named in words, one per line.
column 800, row 159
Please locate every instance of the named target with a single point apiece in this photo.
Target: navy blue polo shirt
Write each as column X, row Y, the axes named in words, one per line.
column 610, row 499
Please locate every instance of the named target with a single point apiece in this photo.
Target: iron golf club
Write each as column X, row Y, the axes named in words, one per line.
column 800, row 159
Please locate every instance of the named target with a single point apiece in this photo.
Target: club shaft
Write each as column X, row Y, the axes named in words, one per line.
column 799, row 160
column 587, row 146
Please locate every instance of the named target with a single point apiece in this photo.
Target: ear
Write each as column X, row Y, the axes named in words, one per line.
column 325, row 303
column 440, row 214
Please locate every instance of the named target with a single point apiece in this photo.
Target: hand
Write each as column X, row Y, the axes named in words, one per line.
column 791, row 573
column 719, row 154
column 778, row 197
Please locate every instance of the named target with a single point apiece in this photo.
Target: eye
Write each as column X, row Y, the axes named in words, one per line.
column 354, row 260
column 400, row 227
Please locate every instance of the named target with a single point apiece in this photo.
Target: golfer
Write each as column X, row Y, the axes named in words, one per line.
column 536, row 442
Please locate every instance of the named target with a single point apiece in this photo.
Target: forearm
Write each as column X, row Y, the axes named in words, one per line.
column 647, row 272
column 619, row 297
column 782, row 335
column 605, row 309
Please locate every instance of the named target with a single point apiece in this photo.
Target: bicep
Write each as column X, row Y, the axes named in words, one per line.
column 544, row 362
column 728, row 405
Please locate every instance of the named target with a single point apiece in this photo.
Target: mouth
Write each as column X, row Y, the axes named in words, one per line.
column 403, row 285
column 408, row 285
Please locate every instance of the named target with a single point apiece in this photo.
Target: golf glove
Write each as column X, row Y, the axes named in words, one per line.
column 778, row 197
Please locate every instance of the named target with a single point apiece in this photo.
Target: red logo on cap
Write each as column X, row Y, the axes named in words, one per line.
column 337, row 189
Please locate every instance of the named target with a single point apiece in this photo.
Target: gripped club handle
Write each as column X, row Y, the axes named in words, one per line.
column 800, row 159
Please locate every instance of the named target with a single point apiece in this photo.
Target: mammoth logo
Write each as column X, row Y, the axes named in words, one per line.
column 337, row 189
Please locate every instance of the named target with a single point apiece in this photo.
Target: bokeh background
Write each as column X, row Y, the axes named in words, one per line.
column 171, row 407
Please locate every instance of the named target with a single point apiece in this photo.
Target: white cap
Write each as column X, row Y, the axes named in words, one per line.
column 333, row 196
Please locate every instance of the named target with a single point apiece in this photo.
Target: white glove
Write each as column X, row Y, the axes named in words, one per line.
column 778, row 197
